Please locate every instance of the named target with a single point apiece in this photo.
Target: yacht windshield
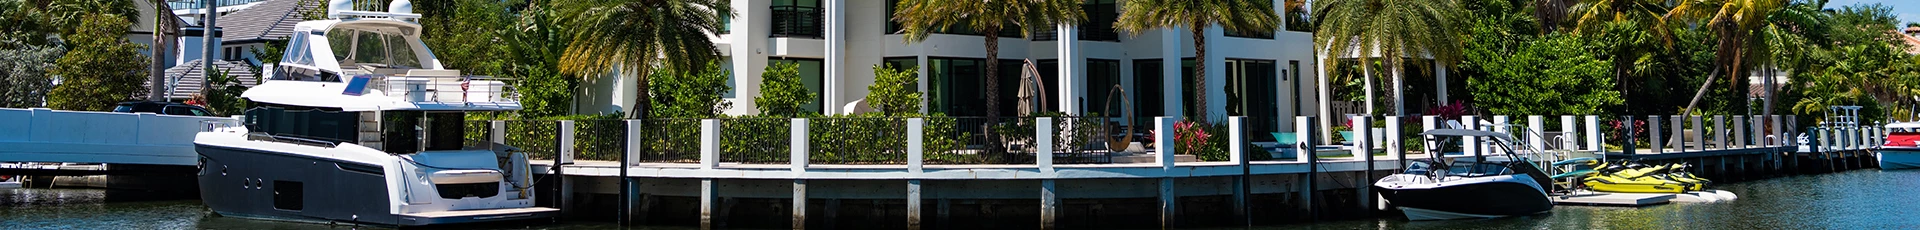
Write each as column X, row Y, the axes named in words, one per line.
column 355, row 47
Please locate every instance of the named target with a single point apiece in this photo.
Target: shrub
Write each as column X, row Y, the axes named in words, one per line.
column 781, row 92
column 893, row 90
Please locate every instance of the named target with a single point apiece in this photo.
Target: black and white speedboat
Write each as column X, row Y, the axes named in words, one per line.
column 1489, row 187
column 360, row 124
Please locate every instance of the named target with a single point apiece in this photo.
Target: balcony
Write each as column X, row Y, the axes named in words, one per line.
column 796, row 21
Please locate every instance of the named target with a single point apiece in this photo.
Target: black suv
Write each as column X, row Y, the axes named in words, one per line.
column 161, row 107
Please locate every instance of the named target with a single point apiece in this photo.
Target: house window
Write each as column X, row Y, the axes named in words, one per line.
column 1102, row 75
column 796, row 18
column 956, row 86
column 1250, row 92
column 1100, row 17
column 1147, row 91
column 812, row 74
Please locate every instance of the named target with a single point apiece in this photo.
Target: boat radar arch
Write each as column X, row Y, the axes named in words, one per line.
column 398, row 9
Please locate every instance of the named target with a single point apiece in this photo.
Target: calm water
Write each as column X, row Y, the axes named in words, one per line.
column 1863, row 199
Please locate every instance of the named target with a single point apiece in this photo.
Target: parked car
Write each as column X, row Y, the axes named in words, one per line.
column 161, row 107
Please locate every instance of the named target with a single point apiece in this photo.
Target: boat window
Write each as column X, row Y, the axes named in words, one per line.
column 357, row 47
column 401, row 131
column 289, row 195
column 1477, row 169
column 447, row 131
column 309, row 123
column 298, row 51
column 1418, row 168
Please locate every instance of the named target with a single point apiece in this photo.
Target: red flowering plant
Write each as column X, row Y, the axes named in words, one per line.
column 1200, row 140
column 1617, row 129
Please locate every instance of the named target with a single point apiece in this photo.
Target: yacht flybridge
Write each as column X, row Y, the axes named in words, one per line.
column 361, row 124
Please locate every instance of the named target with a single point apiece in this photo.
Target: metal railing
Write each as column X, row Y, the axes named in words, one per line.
column 1084, row 140
column 537, row 138
column 756, row 140
column 796, row 21
column 979, row 140
column 857, row 140
column 454, row 89
column 603, row 140
column 672, row 140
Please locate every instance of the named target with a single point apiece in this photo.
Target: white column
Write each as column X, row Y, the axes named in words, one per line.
column 1720, row 131
column 709, row 143
column 1043, row 141
column 1395, row 141
column 797, row 144
column 1470, row 146
column 1699, row 133
column 916, row 145
column 1171, row 95
column 1535, row 133
column 1500, row 123
column 1740, row 131
column 1072, row 85
column 634, row 143
column 1325, row 94
column 1428, row 123
column 836, row 39
column 1595, row 141
column 1163, row 142
column 1569, row 135
column 1654, row 140
column 1362, row 130
column 566, row 143
column 1236, row 134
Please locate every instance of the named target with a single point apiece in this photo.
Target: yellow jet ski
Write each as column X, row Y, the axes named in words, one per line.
column 1627, row 179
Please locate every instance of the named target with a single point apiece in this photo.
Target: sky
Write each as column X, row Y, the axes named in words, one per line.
column 1907, row 10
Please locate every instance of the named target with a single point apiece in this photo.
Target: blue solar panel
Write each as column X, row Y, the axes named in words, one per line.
column 357, row 85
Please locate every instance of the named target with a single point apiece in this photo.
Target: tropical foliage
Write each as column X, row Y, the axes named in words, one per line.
column 635, row 37
column 1553, row 75
column 1396, row 30
column 921, row 18
column 689, row 93
column 1246, row 17
column 893, row 90
column 781, row 93
column 24, row 81
column 101, row 70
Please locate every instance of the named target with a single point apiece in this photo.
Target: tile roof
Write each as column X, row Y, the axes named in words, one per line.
column 267, row 20
column 190, row 75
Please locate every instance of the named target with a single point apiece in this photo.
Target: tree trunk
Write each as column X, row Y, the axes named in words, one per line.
column 992, row 74
column 1199, row 75
column 1728, row 62
column 1767, row 100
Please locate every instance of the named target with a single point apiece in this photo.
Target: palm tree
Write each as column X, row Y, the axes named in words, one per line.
column 634, row 37
column 1242, row 16
column 1632, row 23
column 1733, row 22
column 1781, row 40
column 919, row 19
column 1392, row 30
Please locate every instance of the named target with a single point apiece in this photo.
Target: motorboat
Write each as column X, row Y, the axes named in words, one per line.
column 1508, row 184
column 360, row 124
column 1902, row 149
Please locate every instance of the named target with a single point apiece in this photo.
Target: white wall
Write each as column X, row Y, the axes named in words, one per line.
column 748, row 47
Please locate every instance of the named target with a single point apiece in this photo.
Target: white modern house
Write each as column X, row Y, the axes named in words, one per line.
column 837, row 42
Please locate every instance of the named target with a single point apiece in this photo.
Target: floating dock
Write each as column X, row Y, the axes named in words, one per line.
column 1614, row 199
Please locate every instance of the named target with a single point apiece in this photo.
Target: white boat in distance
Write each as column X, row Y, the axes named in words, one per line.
column 360, row 124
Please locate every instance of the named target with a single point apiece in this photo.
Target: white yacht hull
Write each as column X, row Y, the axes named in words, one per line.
column 346, row 184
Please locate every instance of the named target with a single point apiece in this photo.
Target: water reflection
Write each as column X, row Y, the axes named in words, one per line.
column 1864, row 199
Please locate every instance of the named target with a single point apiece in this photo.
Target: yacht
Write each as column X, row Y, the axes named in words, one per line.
column 1902, row 150
column 360, row 124
column 1483, row 187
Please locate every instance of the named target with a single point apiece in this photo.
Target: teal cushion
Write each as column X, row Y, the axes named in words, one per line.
column 1286, row 138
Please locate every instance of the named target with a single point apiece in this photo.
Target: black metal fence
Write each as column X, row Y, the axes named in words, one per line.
column 670, row 140
column 796, row 21
column 1085, row 140
column 756, row 140
column 537, row 138
column 602, row 140
column 979, row 140
column 478, row 133
column 857, row 140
